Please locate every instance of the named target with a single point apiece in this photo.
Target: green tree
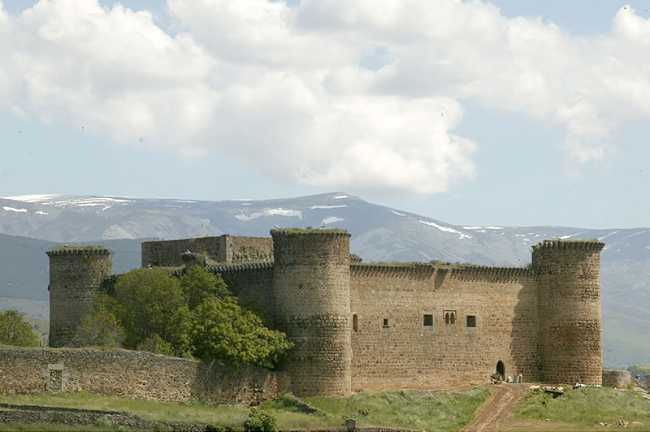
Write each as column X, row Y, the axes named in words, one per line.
column 15, row 330
column 101, row 327
column 157, row 345
column 152, row 302
column 222, row 330
column 199, row 284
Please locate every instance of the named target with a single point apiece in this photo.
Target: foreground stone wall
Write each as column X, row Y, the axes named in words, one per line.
column 410, row 325
column 131, row 374
column 617, row 378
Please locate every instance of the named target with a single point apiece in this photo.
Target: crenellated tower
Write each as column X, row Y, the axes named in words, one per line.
column 311, row 288
column 570, row 336
column 76, row 276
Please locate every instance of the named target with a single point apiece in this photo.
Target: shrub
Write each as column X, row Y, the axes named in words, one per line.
column 15, row 330
column 260, row 421
column 100, row 327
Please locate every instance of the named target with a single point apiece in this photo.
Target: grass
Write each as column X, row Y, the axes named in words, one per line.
column 430, row 411
column 587, row 407
column 44, row 427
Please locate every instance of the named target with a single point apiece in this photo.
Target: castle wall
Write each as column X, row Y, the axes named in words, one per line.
column 131, row 374
column 408, row 354
column 243, row 249
column 252, row 283
column 168, row 253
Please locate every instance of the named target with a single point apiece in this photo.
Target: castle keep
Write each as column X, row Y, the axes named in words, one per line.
column 360, row 325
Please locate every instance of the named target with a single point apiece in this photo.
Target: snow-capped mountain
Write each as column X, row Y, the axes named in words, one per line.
column 378, row 233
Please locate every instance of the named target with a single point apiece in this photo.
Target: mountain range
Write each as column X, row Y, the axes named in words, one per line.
column 30, row 225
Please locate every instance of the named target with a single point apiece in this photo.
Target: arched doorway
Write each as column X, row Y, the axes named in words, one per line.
column 501, row 370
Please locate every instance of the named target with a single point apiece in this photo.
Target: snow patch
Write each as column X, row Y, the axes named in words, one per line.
column 564, row 237
column 340, row 197
column 607, row 235
column 15, row 210
column 446, row 229
column 482, row 228
column 316, row 207
column 41, row 213
column 331, row 220
column 269, row 212
column 33, row 198
column 397, row 213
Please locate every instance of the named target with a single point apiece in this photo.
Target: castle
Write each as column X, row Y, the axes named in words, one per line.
column 359, row 325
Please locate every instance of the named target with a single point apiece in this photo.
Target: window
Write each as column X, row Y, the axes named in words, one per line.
column 355, row 323
column 385, row 322
column 428, row 320
column 471, row 320
column 450, row 317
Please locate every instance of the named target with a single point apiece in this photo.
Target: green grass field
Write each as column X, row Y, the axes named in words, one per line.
column 588, row 407
column 430, row 411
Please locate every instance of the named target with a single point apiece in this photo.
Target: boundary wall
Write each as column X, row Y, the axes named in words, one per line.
column 132, row 374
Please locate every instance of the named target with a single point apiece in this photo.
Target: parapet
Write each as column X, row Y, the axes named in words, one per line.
column 78, row 250
column 590, row 245
column 309, row 231
column 241, row 267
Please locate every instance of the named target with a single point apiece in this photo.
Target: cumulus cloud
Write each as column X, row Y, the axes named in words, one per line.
column 362, row 94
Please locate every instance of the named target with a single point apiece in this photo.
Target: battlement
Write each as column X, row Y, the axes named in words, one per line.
column 309, row 231
column 78, row 250
column 393, row 269
column 240, row 267
column 479, row 273
column 590, row 245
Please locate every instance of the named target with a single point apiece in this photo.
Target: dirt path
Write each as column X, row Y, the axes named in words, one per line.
column 498, row 408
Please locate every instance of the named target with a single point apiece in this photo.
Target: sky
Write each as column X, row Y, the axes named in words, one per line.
column 510, row 112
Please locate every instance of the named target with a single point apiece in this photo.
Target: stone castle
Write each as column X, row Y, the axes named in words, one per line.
column 360, row 325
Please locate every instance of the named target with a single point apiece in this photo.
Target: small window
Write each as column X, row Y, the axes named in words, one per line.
column 450, row 317
column 471, row 320
column 428, row 320
column 385, row 322
column 355, row 323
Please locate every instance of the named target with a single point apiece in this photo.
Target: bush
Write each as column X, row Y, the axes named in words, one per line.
column 16, row 331
column 199, row 284
column 100, row 327
column 260, row 421
column 157, row 345
column 222, row 330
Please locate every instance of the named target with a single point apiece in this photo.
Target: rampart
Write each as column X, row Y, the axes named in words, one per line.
column 131, row 374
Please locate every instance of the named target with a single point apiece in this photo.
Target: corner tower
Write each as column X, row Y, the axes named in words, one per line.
column 311, row 288
column 76, row 276
column 570, row 337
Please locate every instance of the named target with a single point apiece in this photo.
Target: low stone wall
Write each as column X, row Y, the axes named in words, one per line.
column 132, row 374
column 616, row 378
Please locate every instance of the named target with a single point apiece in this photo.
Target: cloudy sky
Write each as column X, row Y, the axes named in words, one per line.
column 514, row 112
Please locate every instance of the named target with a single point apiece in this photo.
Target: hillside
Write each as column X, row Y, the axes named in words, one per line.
column 379, row 233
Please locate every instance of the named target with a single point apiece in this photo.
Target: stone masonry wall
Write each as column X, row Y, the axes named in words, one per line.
column 403, row 352
column 570, row 336
column 132, row 374
column 76, row 278
column 252, row 283
column 243, row 249
column 311, row 289
column 167, row 253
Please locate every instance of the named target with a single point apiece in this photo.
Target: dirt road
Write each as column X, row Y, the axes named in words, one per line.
column 498, row 408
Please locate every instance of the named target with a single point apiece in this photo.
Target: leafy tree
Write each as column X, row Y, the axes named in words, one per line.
column 157, row 345
column 101, row 326
column 222, row 330
column 199, row 284
column 152, row 302
column 15, row 330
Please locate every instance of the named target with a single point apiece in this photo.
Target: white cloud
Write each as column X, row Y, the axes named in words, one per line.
column 289, row 89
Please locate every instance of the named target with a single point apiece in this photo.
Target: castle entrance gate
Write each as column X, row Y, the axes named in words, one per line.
column 501, row 370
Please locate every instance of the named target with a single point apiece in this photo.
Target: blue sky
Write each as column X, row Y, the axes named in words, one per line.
column 521, row 171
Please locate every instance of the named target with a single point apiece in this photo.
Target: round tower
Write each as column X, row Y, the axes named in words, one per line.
column 311, row 287
column 76, row 276
column 570, row 337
